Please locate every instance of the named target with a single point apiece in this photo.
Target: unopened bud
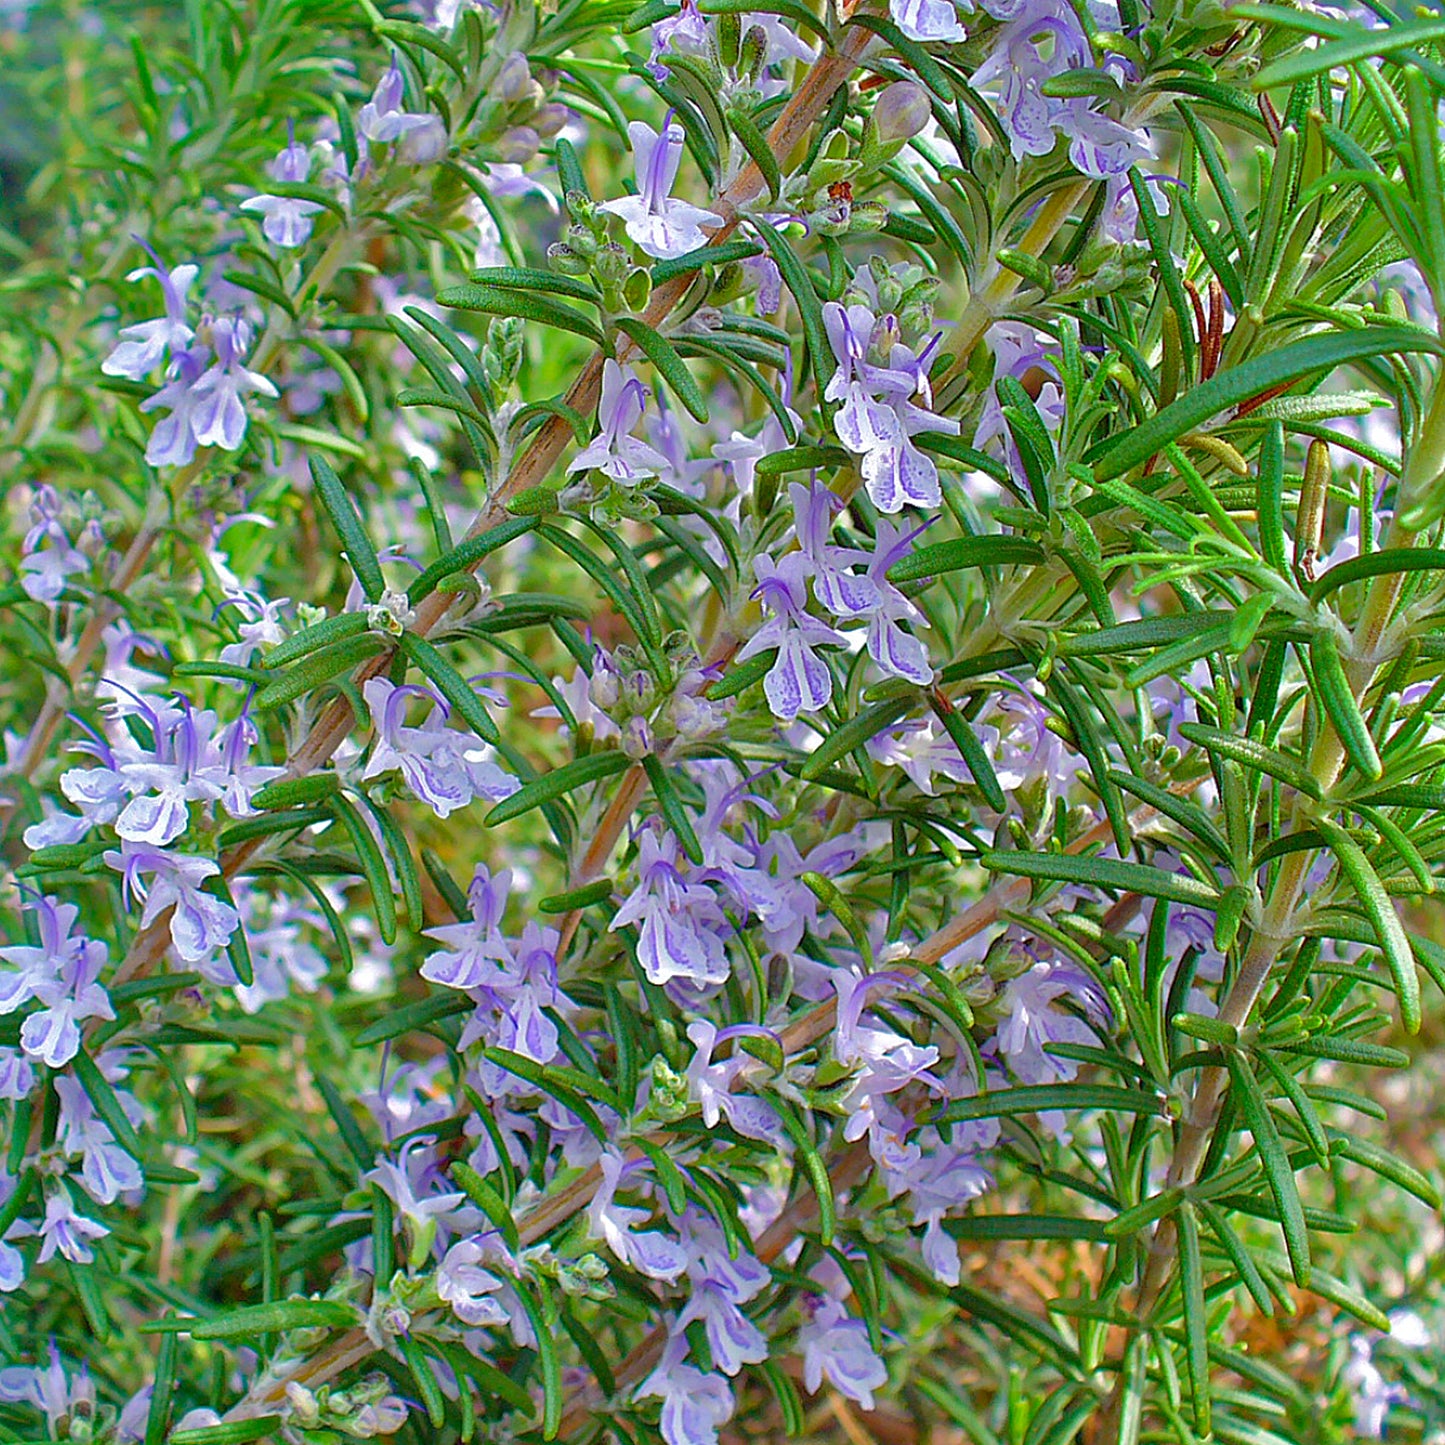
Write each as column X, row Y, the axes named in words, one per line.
column 612, row 264
column 550, row 119
column 514, row 80
column 304, row 1410
column 636, row 738
column 867, row 216
column 901, row 111
column 518, row 145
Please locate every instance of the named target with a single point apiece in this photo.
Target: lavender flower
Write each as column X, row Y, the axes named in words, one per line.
column 382, row 120
column 681, row 923
column 614, row 452
column 66, row 1232
column 147, row 342
column 711, row 1085
column 201, row 924
column 876, row 377
column 286, row 221
column 799, row 680
column 694, row 1405
column 836, row 1345
column 48, row 557
column 929, row 20
column 659, row 223
column 219, row 419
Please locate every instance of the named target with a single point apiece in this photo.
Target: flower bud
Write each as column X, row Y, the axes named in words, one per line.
column 901, row 111
column 753, row 55
column 867, row 216
column 612, row 264
column 385, row 1417
column 550, row 119
column 305, row 1412
column 514, row 80
column 604, row 689
column 582, row 241
column 636, row 738
column 518, row 145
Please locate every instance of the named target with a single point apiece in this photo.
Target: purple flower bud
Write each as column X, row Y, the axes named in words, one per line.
column 901, row 111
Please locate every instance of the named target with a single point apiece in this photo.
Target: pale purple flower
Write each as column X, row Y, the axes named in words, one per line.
column 477, row 954
column 285, row 220
column 17, row 1076
column 186, row 767
column 66, row 1232
column 876, row 377
column 173, row 442
column 410, row 1182
column 836, row 1345
column 685, row 33
column 649, row 1251
column 680, row 922
column 107, row 1171
column 799, row 680
column 48, row 557
column 1374, row 1396
column 694, row 1405
column 219, row 419
column 1032, row 1019
column 929, row 20
column 613, row 451
column 382, row 120
column 465, row 1283
column 896, row 651
column 923, row 750
column 147, row 342
column 659, row 223
column 201, row 924
column 47, row 1387
column 710, row 1083
column 838, row 590
column 441, row 765
column 52, row 1033
column 732, row 1338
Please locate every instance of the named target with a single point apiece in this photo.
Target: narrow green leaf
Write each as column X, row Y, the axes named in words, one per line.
column 1385, row 562
column 990, row 551
column 670, row 366
column 347, row 521
column 1380, row 910
column 452, row 686
column 98, row 1088
column 528, row 305
column 1369, row 1155
column 1277, row 1169
column 315, row 669
column 529, row 278
column 558, row 783
column 410, row 1018
column 1040, row 1098
column 1255, row 756
column 158, row 1413
column 310, row 639
column 1239, row 1256
column 1238, row 384
column 1196, row 1322
column 288, row 1314
column 426, row 1381
column 466, row 555
column 671, row 805
column 228, row 1432
column 1109, row 873
column 795, row 278
column 755, row 143
column 373, row 867
column 1338, row 701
